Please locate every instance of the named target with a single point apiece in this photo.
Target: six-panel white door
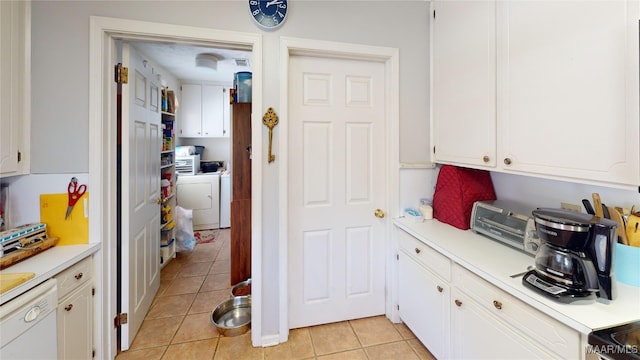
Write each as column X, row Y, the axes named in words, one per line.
column 141, row 145
column 337, row 181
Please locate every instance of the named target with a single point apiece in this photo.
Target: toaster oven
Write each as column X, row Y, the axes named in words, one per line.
column 188, row 165
column 506, row 222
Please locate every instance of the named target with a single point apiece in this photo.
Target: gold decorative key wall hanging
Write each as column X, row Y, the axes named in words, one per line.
column 270, row 119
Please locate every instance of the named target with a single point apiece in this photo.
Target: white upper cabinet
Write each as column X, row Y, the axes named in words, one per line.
column 203, row 111
column 556, row 83
column 464, row 82
column 15, row 70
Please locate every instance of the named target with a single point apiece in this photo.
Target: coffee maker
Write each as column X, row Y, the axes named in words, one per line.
column 575, row 258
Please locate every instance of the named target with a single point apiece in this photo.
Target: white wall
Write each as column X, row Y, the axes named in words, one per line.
column 60, row 63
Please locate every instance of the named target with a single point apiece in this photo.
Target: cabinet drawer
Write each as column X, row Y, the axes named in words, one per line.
column 533, row 323
column 74, row 276
column 426, row 256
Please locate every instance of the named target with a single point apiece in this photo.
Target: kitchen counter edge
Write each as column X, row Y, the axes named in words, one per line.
column 478, row 254
column 47, row 264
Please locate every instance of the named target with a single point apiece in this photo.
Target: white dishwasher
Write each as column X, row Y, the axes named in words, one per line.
column 28, row 327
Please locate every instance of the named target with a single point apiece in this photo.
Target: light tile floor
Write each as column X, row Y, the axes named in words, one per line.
column 178, row 325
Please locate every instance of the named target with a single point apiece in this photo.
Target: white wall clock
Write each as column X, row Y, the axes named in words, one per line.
column 269, row 14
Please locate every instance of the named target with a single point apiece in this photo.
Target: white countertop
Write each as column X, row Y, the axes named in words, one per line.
column 45, row 265
column 495, row 263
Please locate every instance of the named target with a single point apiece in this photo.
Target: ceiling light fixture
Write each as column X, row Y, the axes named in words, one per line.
column 209, row 61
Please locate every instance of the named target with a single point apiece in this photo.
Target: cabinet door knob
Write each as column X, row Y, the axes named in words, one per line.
column 497, row 304
column 485, row 159
column 458, row 303
column 507, row 161
column 439, row 288
column 68, row 307
column 417, row 250
column 78, row 276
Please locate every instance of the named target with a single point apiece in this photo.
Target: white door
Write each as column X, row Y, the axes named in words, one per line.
column 337, row 179
column 141, row 145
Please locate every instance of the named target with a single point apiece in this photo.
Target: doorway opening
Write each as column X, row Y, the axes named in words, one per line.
column 104, row 33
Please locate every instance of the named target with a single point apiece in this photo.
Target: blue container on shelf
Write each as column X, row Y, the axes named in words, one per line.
column 242, row 86
column 627, row 264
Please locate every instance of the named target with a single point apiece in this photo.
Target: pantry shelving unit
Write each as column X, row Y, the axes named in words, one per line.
column 168, row 189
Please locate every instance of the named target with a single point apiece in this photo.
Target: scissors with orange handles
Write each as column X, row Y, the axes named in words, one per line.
column 75, row 192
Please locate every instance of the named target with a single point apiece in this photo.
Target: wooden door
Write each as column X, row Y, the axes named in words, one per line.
column 141, row 146
column 337, row 181
column 241, row 193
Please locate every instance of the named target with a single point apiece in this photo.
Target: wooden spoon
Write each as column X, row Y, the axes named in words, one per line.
column 597, row 205
column 622, row 229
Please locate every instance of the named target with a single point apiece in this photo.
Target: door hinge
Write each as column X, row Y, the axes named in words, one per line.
column 434, row 149
column 19, row 156
column 120, row 319
column 398, row 307
column 434, row 14
column 122, row 74
column 93, row 353
column 397, row 256
column 93, row 291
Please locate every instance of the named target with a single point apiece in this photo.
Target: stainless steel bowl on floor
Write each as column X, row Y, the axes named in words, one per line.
column 233, row 317
column 242, row 288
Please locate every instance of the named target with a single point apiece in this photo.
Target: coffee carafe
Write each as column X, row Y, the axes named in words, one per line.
column 575, row 259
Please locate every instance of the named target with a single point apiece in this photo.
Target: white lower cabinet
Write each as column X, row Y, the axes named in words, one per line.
column 424, row 305
column 478, row 334
column 75, row 324
column 75, row 311
column 458, row 315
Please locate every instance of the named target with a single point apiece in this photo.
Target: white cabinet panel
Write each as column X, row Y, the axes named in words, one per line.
column 191, row 111
column 204, row 111
column 15, row 121
column 569, row 94
column 477, row 334
column 75, row 311
column 561, row 101
column 423, row 301
column 464, row 82
column 75, row 324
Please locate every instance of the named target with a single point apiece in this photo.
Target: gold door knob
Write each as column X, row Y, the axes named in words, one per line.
column 458, row 303
column 440, row 289
column 379, row 213
column 497, row 304
column 507, row 161
column 485, row 159
column 159, row 201
column 417, row 250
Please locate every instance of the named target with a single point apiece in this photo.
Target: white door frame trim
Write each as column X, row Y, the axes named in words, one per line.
column 390, row 57
column 103, row 150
